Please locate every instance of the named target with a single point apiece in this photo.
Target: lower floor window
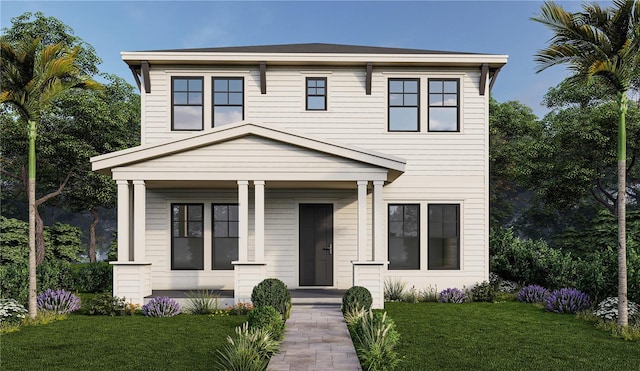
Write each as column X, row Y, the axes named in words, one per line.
column 444, row 236
column 404, row 236
column 187, row 243
column 225, row 235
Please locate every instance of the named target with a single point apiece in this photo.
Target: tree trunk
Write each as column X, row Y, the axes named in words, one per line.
column 92, row 235
column 623, row 314
column 33, row 305
column 40, row 249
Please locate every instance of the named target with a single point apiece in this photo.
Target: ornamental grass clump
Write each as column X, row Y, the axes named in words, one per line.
column 567, row 300
column 608, row 309
column 394, row 289
column 452, row 295
column 374, row 337
column 249, row 350
column 58, row 301
column 161, row 306
column 203, row 302
column 533, row 294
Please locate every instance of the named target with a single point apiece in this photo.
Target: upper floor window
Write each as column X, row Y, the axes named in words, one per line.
column 316, row 93
column 444, row 104
column 187, row 243
column 228, row 100
column 444, row 236
column 404, row 109
column 186, row 107
column 225, row 236
column 404, row 236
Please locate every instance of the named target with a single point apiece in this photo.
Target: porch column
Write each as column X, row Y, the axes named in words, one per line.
column 362, row 220
column 378, row 221
column 139, row 220
column 243, row 220
column 123, row 220
column 259, row 220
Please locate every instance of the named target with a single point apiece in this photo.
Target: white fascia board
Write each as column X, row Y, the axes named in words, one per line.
column 436, row 59
column 243, row 128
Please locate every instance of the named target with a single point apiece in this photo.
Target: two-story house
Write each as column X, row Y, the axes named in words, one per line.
column 323, row 165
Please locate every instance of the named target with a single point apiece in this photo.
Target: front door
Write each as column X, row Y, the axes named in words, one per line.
column 316, row 245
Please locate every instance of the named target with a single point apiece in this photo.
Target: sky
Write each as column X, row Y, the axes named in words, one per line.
column 493, row 27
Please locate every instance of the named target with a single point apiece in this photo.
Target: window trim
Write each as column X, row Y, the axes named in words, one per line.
column 307, row 95
column 213, row 233
column 171, row 221
column 419, row 237
column 213, row 94
column 457, row 106
column 389, row 106
column 459, row 236
column 173, row 104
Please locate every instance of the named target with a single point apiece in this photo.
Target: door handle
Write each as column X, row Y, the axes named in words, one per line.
column 330, row 249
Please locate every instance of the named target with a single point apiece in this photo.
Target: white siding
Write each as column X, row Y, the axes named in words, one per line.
column 441, row 167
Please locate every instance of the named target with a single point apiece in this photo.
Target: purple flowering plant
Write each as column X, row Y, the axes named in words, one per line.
column 161, row 306
column 533, row 294
column 58, row 301
column 567, row 300
column 452, row 295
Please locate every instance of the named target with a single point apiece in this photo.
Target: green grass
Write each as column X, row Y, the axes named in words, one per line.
column 183, row 342
column 504, row 336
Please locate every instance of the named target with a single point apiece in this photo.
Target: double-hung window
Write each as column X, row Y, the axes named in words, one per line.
column 187, row 243
column 186, row 106
column 228, row 100
column 404, row 236
column 444, row 105
column 225, row 235
column 404, row 107
column 316, row 94
column 444, row 236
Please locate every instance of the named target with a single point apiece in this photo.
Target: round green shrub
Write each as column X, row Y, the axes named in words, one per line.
column 272, row 292
column 267, row 318
column 355, row 298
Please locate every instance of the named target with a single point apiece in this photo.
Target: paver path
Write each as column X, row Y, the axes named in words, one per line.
column 316, row 338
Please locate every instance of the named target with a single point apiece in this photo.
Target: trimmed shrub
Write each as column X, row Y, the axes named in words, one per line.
column 452, row 295
column 355, row 298
column 93, row 277
column 273, row 292
column 375, row 337
column 58, row 301
column 608, row 309
column 567, row 300
column 105, row 305
column 483, row 291
column 394, row 289
column 533, row 294
column 11, row 312
column 267, row 318
column 203, row 302
column 161, row 306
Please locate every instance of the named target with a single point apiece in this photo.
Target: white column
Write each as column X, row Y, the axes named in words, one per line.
column 362, row 220
column 123, row 220
column 378, row 221
column 259, row 220
column 243, row 220
column 139, row 220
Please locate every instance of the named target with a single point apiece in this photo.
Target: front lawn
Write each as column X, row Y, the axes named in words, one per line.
column 504, row 336
column 185, row 342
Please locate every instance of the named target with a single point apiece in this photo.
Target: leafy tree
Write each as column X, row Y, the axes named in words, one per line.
column 602, row 43
column 33, row 76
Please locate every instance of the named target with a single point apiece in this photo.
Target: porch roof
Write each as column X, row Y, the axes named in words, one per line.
column 135, row 158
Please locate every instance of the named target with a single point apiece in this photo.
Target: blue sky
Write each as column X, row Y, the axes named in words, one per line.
column 496, row 27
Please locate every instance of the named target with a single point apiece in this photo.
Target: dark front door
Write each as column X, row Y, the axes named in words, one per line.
column 316, row 245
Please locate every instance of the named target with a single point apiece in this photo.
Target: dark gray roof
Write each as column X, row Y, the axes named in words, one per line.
column 311, row 48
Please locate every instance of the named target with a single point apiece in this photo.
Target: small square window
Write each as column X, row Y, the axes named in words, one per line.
column 316, row 94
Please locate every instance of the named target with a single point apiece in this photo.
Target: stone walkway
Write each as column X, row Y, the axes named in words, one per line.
column 316, row 338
